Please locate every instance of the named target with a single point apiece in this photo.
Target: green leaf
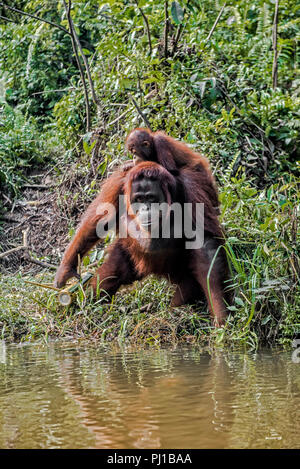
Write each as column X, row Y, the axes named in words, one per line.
column 194, row 77
column 232, row 308
column 265, row 320
column 239, row 301
column 270, row 194
column 176, row 12
column 88, row 148
column 86, row 261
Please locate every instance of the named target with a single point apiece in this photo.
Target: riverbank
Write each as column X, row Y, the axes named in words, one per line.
column 261, row 250
column 207, row 75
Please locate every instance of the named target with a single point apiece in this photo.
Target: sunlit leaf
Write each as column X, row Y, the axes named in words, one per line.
column 177, row 12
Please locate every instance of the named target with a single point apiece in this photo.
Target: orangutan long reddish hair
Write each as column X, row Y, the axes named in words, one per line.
column 196, row 272
column 163, row 149
column 174, row 156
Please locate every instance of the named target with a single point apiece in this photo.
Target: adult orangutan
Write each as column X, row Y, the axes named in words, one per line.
column 136, row 253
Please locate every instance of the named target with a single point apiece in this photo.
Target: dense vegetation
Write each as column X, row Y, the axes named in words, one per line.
column 229, row 88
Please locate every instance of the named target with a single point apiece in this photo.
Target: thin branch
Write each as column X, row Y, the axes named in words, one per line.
column 25, row 237
column 216, row 22
column 6, row 19
column 19, row 248
column 54, row 91
column 75, row 36
column 6, row 198
column 275, row 58
column 166, row 30
column 179, row 31
column 27, row 253
column 40, row 263
column 11, row 251
column 8, row 219
column 39, row 186
column 75, row 40
column 294, row 258
column 140, row 111
column 147, row 26
column 118, row 118
column 35, row 17
column 86, row 96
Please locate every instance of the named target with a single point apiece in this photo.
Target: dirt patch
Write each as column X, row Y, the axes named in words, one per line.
column 47, row 209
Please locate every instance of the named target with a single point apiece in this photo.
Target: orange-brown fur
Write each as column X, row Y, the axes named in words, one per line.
column 177, row 158
column 165, row 150
column 129, row 260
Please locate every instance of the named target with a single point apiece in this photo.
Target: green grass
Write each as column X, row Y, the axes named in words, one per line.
column 261, row 247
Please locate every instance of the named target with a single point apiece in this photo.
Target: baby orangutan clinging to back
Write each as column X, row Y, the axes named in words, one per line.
column 162, row 149
column 176, row 157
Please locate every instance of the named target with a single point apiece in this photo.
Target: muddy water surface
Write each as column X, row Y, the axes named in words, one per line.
column 70, row 395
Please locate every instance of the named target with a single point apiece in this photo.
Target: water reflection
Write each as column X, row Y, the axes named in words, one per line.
column 81, row 396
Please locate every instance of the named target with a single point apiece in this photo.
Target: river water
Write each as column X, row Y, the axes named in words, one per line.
column 72, row 395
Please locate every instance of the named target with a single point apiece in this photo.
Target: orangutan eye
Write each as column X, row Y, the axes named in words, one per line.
column 146, row 143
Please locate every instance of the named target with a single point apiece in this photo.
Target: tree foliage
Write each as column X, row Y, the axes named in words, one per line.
column 216, row 94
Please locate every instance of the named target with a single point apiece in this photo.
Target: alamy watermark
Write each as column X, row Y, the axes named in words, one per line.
column 296, row 353
column 153, row 221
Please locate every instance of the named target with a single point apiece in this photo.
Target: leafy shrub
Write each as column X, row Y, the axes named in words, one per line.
column 20, row 147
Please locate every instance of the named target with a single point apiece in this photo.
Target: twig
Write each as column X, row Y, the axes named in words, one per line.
column 27, row 255
column 43, row 285
column 7, row 198
column 294, row 259
column 13, row 206
column 9, row 219
column 75, row 146
column 118, row 104
column 215, row 23
column 18, row 248
column 147, row 26
column 40, row 263
column 274, row 38
column 75, row 36
column 94, row 264
column 146, row 308
column 166, row 30
column 25, row 237
column 140, row 112
column 54, row 91
column 35, row 17
column 179, row 31
column 86, row 96
column 262, row 163
column 6, row 19
column 32, row 203
column 38, row 186
column 118, row 118
column 11, row 251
